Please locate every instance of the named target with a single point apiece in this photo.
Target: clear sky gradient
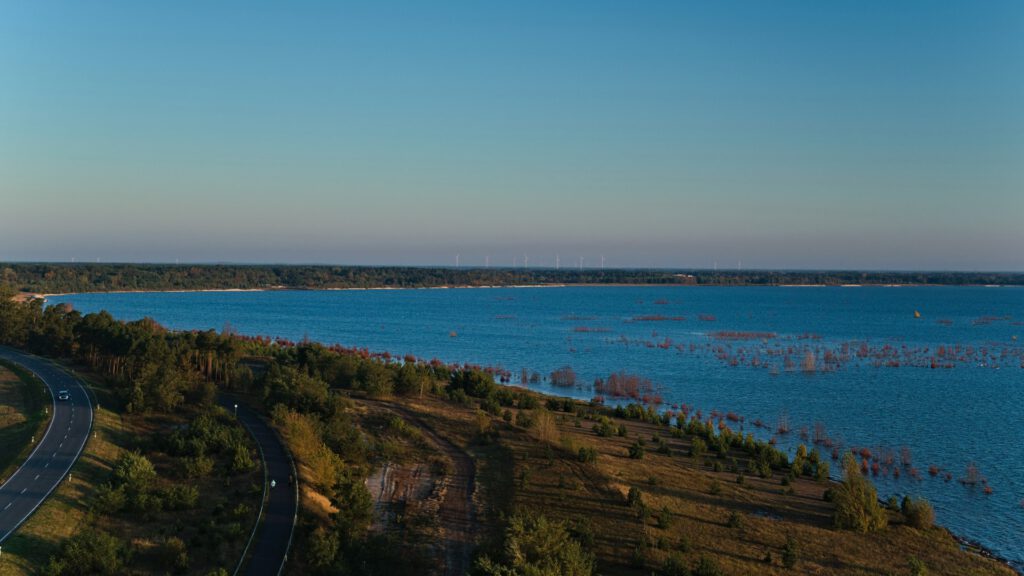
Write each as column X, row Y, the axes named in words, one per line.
column 846, row 134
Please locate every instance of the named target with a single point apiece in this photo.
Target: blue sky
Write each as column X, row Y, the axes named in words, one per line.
column 781, row 134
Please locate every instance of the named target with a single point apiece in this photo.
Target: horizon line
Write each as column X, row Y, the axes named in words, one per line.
column 567, row 269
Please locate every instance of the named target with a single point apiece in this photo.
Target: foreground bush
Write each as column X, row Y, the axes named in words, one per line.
column 90, row 552
column 856, row 501
column 919, row 513
column 537, row 546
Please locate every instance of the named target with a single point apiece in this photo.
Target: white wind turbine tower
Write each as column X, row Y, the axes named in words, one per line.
column 526, row 261
column 602, row 261
column 581, row 263
column 487, row 261
column 556, row 262
column 456, row 260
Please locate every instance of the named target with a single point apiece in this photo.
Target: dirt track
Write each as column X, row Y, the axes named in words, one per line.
column 456, row 514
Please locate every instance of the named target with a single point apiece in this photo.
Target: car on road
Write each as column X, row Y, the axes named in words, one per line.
column 63, row 395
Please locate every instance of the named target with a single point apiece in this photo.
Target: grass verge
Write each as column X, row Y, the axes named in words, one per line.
column 22, row 398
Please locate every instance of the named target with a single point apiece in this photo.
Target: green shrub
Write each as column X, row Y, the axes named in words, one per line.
column 134, row 471
column 665, row 519
column 90, row 552
column 175, row 554
column 636, row 451
column 821, row 473
column 241, row 460
column 181, row 497
column 918, row 512
column 856, row 501
column 536, row 545
column 715, row 488
column 604, row 427
column 735, row 520
column 110, row 500
column 197, row 466
column 635, row 498
column 698, row 448
column 790, row 552
column 587, row 455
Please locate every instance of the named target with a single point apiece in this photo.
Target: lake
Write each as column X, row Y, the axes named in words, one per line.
column 933, row 376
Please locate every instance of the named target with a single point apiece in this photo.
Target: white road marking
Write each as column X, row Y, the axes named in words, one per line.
column 8, row 505
column 22, row 490
column 47, row 465
column 54, row 454
column 36, row 478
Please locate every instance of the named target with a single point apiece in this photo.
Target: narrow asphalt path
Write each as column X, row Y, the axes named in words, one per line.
column 269, row 548
column 55, row 452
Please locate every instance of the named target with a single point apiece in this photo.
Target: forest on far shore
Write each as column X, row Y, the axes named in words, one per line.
column 57, row 278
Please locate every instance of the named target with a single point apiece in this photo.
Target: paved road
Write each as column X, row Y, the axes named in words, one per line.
column 274, row 537
column 55, row 452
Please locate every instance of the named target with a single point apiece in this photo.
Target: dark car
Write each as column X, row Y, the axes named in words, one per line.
column 63, row 395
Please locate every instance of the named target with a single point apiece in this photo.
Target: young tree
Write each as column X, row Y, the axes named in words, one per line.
column 856, row 500
column 537, row 546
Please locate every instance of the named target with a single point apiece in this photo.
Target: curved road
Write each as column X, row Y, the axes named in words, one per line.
column 273, row 537
column 55, row 452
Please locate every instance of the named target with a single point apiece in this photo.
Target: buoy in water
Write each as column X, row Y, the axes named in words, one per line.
column 917, row 314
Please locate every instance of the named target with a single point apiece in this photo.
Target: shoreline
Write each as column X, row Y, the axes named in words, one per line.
column 24, row 296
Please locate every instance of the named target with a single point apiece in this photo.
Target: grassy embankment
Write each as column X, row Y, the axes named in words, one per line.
column 71, row 509
column 692, row 510
column 22, row 416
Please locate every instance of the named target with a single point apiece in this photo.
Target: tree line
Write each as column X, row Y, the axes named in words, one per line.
column 54, row 278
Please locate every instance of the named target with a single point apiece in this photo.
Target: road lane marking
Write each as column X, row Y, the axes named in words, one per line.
column 36, row 478
column 8, row 505
column 22, row 490
column 54, row 454
column 47, row 465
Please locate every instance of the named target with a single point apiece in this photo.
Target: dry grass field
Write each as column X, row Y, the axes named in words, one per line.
column 21, row 416
column 692, row 510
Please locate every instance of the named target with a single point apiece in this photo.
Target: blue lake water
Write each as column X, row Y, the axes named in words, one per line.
column 948, row 385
